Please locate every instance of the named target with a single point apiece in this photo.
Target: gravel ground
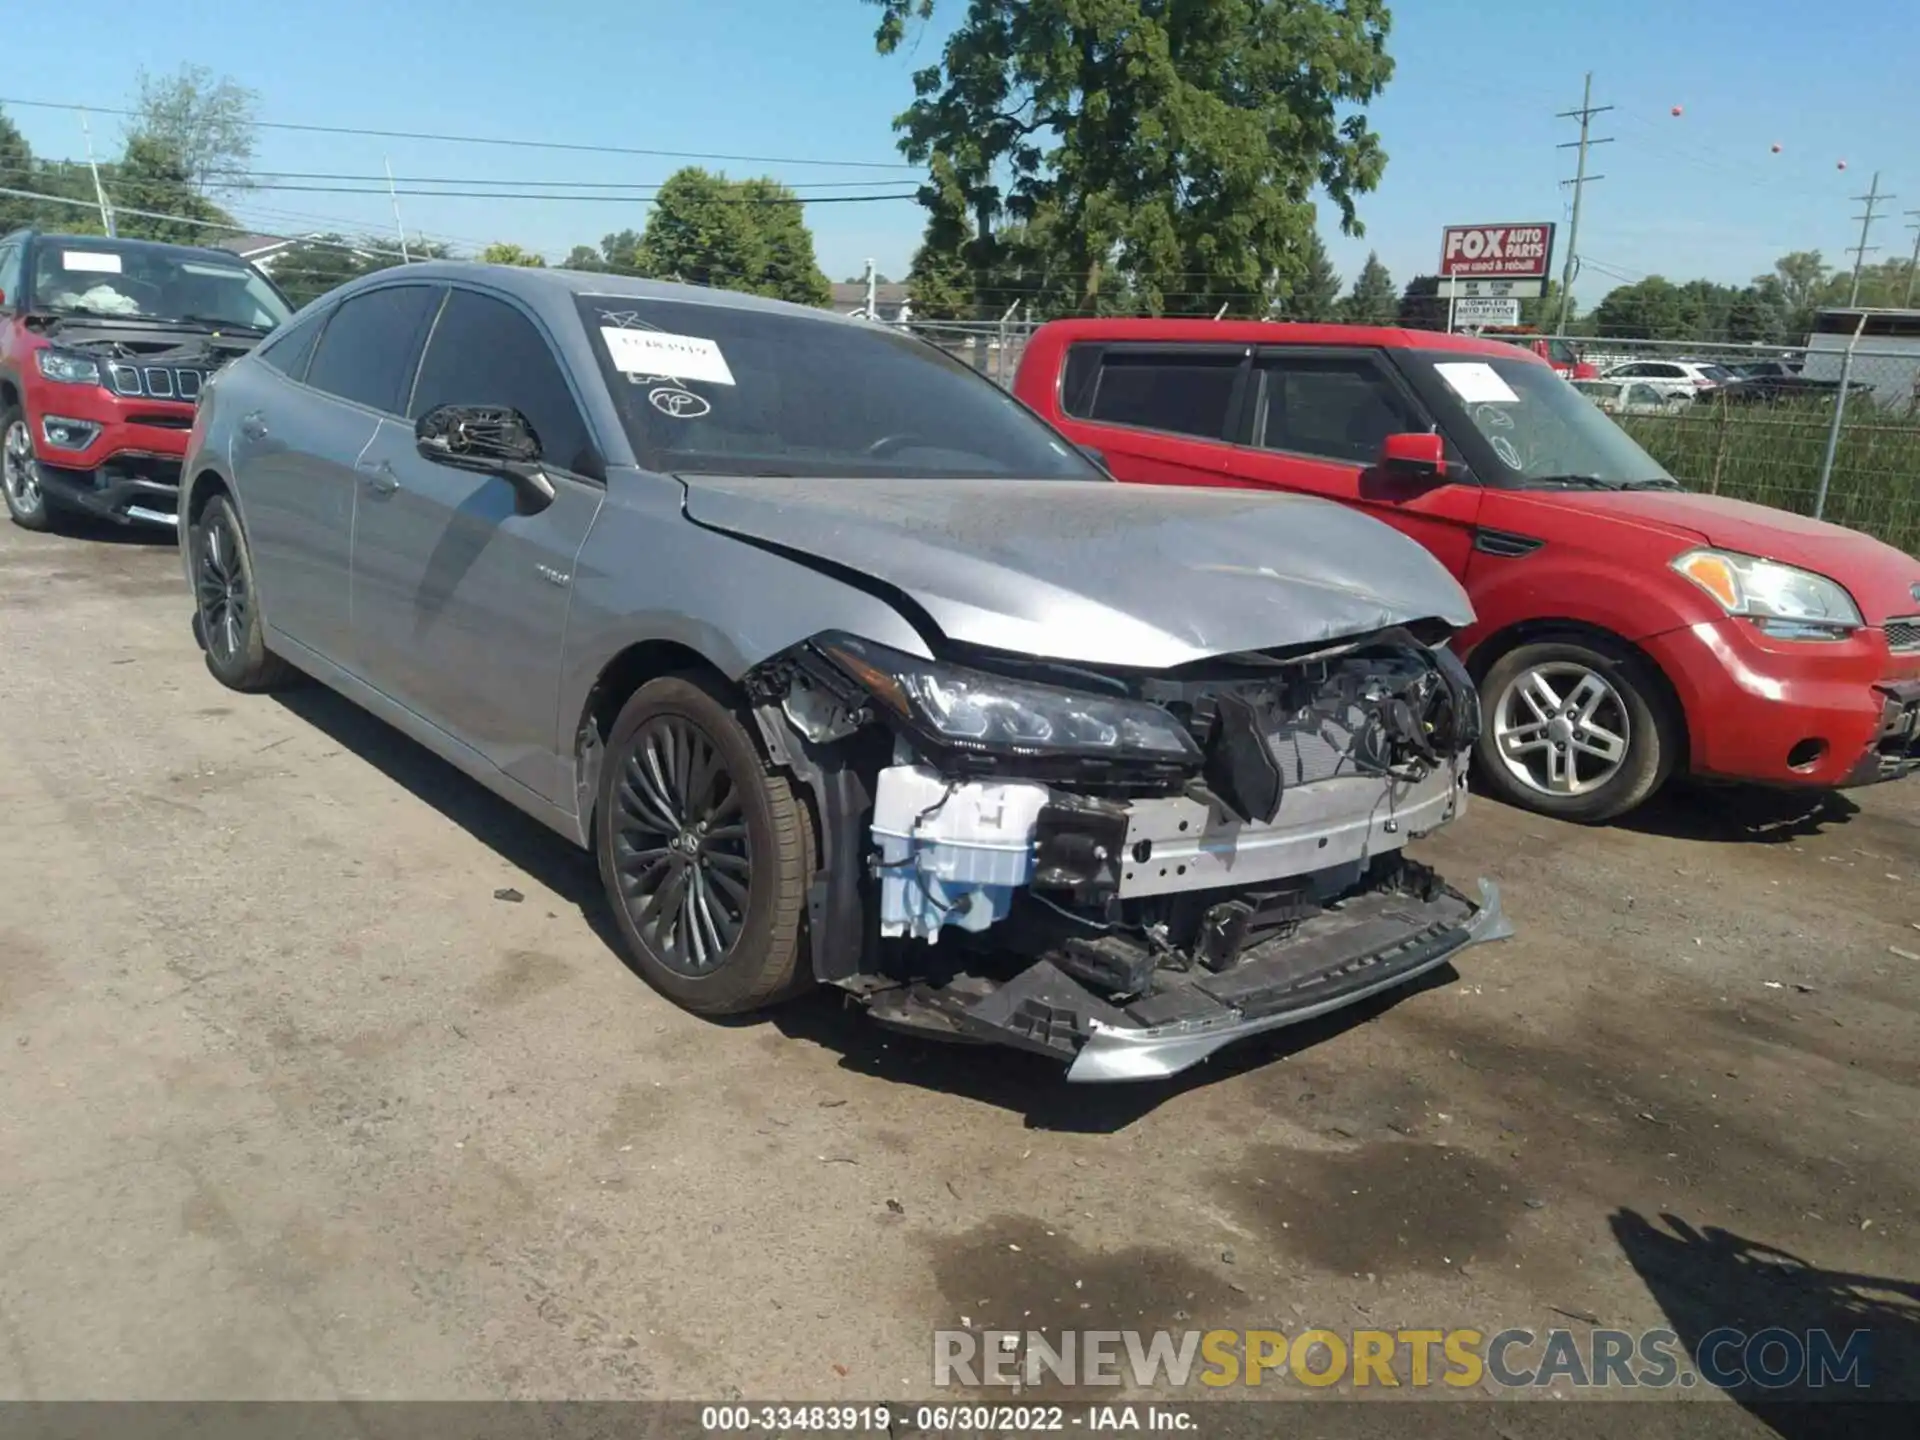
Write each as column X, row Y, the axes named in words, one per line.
column 294, row 1107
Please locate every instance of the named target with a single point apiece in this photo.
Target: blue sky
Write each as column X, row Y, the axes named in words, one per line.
column 1468, row 121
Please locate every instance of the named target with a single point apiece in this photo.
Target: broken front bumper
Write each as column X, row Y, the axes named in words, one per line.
column 1256, row 999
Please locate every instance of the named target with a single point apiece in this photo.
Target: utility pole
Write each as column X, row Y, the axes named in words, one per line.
column 1913, row 264
column 394, row 195
column 873, row 291
column 1580, row 181
column 99, row 190
column 1871, row 200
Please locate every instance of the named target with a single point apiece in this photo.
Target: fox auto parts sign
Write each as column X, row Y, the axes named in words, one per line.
column 1502, row 252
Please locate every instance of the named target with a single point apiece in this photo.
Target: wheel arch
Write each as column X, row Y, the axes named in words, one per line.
column 615, row 684
column 203, row 486
column 1534, row 631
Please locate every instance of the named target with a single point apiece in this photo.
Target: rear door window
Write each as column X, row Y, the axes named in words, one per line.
column 1336, row 407
column 1181, row 392
column 290, row 350
column 371, row 346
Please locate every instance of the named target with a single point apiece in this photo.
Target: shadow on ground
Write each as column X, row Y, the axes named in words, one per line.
column 1718, row 1289
column 1738, row 814
column 77, row 526
column 1013, row 1080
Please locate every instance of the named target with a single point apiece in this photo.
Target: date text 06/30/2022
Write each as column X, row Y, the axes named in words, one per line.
column 958, row 1419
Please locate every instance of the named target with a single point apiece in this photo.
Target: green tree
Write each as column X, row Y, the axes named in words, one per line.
column 152, row 177
column 207, row 121
column 584, row 257
column 1802, row 276
column 16, row 173
column 1314, row 293
column 618, row 249
column 1373, row 300
column 1161, row 148
column 745, row 235
column 505, row 252
column 1421, row 307
column 1543, row 314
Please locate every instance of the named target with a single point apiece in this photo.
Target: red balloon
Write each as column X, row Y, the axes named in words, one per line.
column 1776, row 148
column 1841, row 166
column 1676, row 109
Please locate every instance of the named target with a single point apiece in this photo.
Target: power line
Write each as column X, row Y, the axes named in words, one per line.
column 368, row 132
column 1581, row 180
column 583, row 199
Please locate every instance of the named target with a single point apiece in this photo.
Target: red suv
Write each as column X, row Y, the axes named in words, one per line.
column 104, row 345
column 1626, row 629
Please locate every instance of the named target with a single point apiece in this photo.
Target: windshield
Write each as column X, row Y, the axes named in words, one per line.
column 121, row 280
column 1521, row 424
column 721, row 390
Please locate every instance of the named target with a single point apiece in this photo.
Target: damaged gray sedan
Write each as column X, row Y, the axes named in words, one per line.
column 848, row 668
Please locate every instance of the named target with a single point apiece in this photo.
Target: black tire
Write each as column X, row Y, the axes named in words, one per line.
column 666, row 737
column 1634, row 697
column 226, row 616
column 32, row 510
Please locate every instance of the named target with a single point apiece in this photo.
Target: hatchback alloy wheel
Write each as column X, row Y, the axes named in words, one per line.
column 681, row 847
column 1561, row 728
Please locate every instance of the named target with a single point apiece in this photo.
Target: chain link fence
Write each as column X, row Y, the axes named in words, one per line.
column 1764, row 423
column 1830, row 429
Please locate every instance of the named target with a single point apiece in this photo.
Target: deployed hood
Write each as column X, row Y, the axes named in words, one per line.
column 1096, row 572
column 1880, row 578
column 150, row 340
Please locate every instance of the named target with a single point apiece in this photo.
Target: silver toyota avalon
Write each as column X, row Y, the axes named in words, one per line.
column 848, row 668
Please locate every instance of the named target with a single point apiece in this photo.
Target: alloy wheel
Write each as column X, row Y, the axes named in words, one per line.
column 19, row 471
column 680, row 846
column 220, row 584
column 1561, row 728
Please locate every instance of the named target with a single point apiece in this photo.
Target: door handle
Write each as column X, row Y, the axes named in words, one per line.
column 253, row 425
column 379, row 475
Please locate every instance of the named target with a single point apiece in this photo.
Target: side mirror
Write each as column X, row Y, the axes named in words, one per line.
column 489, row 440
column 1416, row 455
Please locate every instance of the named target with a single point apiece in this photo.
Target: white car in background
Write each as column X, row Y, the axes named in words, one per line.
column 1632, row 397
column 1692, row 378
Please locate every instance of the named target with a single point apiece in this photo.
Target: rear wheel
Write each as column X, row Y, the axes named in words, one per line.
column 1578, row 730
column 226, row 619
column 705, row 853
column 20, row 473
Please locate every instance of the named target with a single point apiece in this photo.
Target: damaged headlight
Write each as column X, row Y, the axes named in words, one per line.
column 68, row 368
column 976, row 710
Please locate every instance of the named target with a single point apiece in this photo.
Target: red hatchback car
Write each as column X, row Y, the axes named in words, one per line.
column 1627, row 629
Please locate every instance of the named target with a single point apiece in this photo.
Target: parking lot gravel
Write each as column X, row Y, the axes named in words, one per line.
column 320, row 1076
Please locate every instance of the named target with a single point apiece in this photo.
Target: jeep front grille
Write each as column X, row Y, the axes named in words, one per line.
column 156, row 382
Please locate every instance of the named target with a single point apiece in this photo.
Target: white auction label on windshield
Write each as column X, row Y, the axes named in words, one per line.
column 677, row 357
column 105, row 264
column 1476, row 382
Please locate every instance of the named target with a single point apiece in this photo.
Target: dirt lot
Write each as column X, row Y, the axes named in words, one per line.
column 295, row 1107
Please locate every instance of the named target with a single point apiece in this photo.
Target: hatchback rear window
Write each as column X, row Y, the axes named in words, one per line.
column 1185, row 392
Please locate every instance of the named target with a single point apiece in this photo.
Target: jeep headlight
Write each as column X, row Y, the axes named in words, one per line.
column 976, row 710
column 1784, row 600
column 67, row 368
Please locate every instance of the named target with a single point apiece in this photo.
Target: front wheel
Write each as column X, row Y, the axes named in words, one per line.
column 705, row 853
column 1576, row 730
column 20, row 473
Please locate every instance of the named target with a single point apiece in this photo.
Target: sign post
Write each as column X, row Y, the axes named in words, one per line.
column 1487, row 270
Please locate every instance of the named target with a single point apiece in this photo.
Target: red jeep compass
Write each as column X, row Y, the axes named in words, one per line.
column 1626, row 629
column 104, row 345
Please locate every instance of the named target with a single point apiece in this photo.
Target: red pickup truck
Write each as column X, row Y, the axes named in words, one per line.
column 1627, row 629
column 104, row 345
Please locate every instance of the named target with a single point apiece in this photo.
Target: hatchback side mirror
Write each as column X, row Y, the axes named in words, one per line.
column 488, row 439
column 1416, row 455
